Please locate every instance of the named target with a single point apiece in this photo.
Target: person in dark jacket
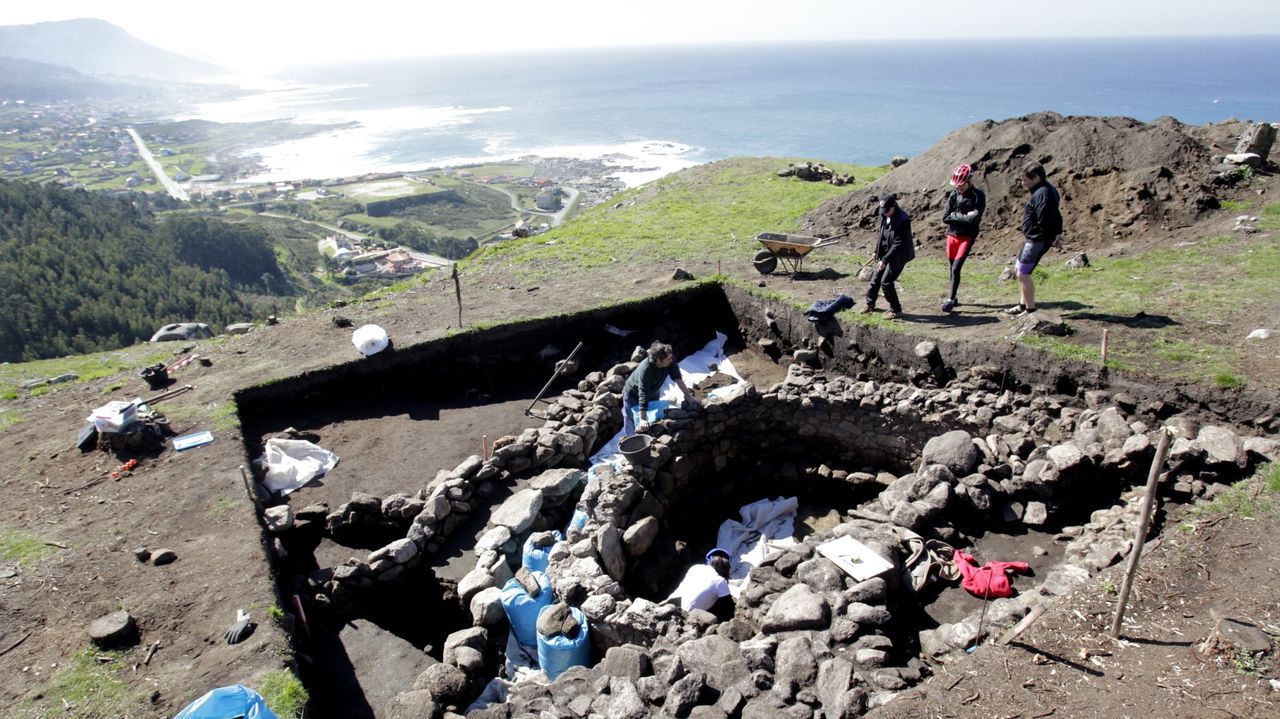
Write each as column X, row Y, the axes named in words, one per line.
column 962, row 214
column 894, row 249
column 1042, row 228
column 645, row 383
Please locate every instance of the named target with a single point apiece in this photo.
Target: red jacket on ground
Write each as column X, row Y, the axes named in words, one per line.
column 989, row 580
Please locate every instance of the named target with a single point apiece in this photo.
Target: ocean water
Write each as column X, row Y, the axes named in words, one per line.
column 663, row 108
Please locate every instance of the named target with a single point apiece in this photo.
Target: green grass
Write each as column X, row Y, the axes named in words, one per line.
column 695, row 213
column 22, row 547
column 222, row 508
column 88, row 368
column 1270, row 217
column 1233, row 205
column 1246, row 498
column 1073, row 351
column 89, row 687
column 496, row 170
column 284, row 694
column 216, row 416
column 1227, row 380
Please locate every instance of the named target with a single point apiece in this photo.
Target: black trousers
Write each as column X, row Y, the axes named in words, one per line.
column 883, row 280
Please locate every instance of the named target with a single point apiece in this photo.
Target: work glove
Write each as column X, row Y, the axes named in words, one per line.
column 241, row 630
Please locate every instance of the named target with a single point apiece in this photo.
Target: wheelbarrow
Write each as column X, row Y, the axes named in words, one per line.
column 790, row 250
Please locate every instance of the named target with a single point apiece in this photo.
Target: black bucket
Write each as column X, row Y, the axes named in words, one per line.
column 635, row 447
column 156, row 376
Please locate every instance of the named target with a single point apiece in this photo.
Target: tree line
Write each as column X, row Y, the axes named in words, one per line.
column 84, row 272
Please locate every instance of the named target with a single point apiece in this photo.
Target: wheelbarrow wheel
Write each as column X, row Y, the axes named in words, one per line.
column 765, row 261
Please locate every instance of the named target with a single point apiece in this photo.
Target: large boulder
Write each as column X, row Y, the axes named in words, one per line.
column 519, row 511
column 720, row 659
column 179, row 331
column 797, row 608
column 954, row 450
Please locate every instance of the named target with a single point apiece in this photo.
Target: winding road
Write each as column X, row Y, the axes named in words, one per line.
column 167, row 182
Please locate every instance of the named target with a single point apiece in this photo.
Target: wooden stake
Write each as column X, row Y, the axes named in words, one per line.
column 1144, row 524
column 484, row 447
column 1021, row 626
column 302, row 614
column 457, row 290
column 1104, row 347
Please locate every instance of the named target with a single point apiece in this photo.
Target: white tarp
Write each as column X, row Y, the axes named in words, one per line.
column 291, row 463
column 765, row 525
column 693, row 370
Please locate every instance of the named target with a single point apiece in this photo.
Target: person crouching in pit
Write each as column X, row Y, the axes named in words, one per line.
column 706, row 587
column 645, row 384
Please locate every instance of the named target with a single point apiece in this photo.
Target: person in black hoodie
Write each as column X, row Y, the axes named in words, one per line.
column 962, row 214
column 894, row 249
column 1042, row 228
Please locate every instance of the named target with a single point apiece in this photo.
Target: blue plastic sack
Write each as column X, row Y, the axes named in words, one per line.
column 657, row 409
column 230, row 702
column 578, row 520
column 522, row 610
column 536, row 559
column 558, row 653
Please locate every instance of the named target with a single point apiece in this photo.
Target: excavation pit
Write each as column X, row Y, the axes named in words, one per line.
column 993, row 462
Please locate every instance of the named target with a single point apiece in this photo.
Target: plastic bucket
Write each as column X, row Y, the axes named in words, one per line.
column 635, row 447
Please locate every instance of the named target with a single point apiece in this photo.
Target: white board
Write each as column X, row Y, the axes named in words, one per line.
column 855, row 558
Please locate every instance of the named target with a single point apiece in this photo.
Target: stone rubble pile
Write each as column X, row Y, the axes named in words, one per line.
column 807, row 639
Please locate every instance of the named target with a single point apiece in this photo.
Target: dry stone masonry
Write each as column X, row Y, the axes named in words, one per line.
column 807, row 640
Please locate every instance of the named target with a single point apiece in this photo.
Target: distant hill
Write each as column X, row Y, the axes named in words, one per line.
column 100, row 48
column 42, row 82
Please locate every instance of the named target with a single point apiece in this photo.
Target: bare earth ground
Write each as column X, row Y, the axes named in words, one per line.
column 194, row 503
column 1067, row 664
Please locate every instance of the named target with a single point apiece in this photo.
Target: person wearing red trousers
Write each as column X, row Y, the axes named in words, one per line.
column 962, row 214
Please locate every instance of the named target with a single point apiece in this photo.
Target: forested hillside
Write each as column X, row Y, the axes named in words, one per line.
column 82, row 272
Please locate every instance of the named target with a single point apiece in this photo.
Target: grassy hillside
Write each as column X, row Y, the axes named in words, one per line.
column 694, row 214
column 1180, row 312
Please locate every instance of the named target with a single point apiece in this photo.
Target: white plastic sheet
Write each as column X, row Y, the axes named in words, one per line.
column 693, row 370
column 291, row 463
column 765, row 525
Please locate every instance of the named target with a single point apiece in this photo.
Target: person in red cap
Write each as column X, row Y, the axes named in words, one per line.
column 962, row 214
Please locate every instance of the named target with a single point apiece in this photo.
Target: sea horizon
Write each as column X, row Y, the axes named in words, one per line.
column 657, row 109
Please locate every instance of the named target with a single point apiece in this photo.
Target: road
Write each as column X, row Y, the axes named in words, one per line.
column 167, row 182
column 354, row 236
column 556, row 217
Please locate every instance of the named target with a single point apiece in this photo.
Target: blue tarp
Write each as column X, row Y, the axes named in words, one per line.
column 231, row 702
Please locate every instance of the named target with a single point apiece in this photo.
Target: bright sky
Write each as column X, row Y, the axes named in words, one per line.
column 271, row 33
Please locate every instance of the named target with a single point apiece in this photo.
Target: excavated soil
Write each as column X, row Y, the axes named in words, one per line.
column 1119, row 178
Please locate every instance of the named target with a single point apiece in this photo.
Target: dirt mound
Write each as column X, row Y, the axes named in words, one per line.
column 1118, row 177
